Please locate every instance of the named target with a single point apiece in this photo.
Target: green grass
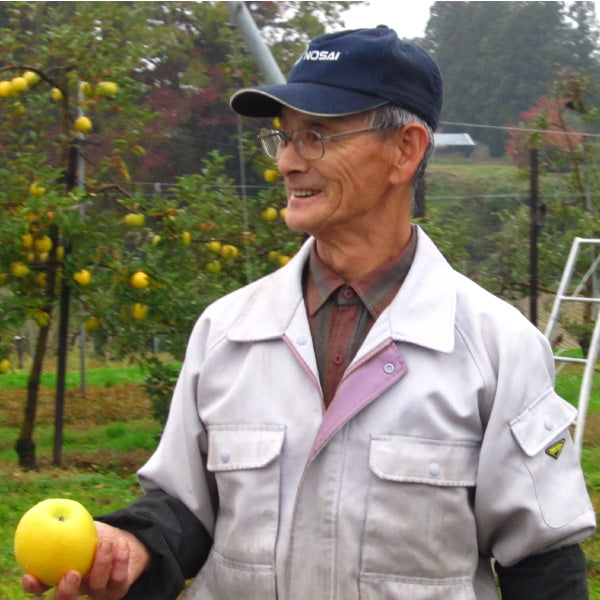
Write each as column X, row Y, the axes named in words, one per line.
column 102, row 377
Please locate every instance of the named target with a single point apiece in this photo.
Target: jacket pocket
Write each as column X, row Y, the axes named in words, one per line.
column 246, row 462
column 374, row 588
column 542, row 433
column 420, row 534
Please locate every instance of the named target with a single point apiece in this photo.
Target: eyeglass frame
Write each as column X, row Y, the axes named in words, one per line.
column 286, row 138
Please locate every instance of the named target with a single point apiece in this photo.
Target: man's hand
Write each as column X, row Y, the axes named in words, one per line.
column 120, row 559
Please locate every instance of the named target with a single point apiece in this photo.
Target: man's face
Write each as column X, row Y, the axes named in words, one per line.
column 347, row 191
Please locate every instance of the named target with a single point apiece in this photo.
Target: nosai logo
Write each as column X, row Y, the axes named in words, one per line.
column 320, row 55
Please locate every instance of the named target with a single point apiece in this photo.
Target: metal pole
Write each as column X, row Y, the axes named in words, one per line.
column 533, row 236
column 246, row 219
column 81, row 184
column 240, row 17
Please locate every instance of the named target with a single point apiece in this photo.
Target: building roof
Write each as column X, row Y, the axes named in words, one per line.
column 453, row 140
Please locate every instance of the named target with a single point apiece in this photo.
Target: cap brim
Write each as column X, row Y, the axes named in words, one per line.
column 310, row 98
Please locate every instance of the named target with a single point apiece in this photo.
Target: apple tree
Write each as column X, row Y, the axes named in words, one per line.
column 64, row 75
column 74, row 228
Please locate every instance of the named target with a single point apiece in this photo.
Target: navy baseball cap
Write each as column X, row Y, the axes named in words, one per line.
column 348, row 72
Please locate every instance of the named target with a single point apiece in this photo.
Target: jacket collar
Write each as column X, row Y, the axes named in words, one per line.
column 422, row 313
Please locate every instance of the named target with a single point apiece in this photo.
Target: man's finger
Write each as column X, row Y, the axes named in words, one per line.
column 118, row 583
column 68, row 586
column 99, row 575
column 32, row 585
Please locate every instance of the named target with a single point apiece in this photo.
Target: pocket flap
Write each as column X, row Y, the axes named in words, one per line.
column 232, row 447
column 420, row 460
column 541, row 422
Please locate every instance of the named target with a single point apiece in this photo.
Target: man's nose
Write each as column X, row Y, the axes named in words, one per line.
column 290, row 160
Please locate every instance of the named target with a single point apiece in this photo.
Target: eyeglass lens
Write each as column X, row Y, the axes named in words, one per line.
column 308, row 143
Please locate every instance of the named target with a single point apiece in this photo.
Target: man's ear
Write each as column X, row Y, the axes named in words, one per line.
column 410, row 143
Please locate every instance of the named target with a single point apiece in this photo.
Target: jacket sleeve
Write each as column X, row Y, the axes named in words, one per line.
column 177, row 541
column 556, row 575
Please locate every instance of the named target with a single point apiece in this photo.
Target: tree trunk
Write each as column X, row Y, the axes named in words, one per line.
column 25, row 446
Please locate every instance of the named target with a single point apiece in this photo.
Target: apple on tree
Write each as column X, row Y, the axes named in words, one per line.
column 139, row 280
column 55, row 536
column 82, row 277
column 134, row 219
column 83, row 124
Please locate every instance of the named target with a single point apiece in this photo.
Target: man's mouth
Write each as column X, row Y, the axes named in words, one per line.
column 303, row 193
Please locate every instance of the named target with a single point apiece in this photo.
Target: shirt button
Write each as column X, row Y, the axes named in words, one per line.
column 348, row 293
column 389, row 368
column 301, row 340
column 435, row 469
column 549, row 425
column 338, row 359
column 225, row 456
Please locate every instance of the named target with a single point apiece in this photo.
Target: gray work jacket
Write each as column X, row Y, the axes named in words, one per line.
column 444, row 446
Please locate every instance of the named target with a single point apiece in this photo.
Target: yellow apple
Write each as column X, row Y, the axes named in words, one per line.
column 282, row 213
column 229, row 251
column 134, row 219
column 19, row 269
column 18, row 85
column 56, row 94
column 4, row 365
column 269, row 214
column 43, row 244
column 55, row 536
column 271, row 175
column 27, row 240
column 36, row 190
column 60, row 253
column 31, row 77
column 214, row 246
column 139, row 280
column 186, row 238
column 139, row 311
column 214, row 266
column 91, row 324
column 5, row 89
column 82, row 277
column 83, row 124
column 155, row 240
column 284, row 260
column 40, row 279
column 107, row 88
column 86, row 88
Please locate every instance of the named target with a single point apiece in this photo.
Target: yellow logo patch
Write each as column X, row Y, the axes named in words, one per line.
column 555, row 450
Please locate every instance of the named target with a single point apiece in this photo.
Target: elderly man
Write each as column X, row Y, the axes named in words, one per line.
column 365, row 423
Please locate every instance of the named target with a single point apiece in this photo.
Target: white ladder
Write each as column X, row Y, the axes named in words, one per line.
column 590, row 360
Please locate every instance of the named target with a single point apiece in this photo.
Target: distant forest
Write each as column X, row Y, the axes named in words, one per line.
column 498, row 58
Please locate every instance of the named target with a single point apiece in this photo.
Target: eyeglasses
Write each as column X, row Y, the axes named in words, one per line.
column 308, row 143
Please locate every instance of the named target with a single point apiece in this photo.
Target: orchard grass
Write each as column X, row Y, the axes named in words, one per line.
column 111, row 432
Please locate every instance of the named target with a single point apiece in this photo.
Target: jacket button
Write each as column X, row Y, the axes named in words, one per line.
column 549, row 425
column 435, row 469
column 225, row 456
column 389, row 368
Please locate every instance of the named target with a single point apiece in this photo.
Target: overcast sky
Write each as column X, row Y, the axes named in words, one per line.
column 407, row 17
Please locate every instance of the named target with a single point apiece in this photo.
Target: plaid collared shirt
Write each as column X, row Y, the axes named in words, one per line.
column 341, row 314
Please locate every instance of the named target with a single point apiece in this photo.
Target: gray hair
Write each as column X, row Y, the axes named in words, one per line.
column 391, row 116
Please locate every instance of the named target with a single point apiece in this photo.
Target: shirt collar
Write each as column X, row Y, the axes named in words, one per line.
column 376, row 289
